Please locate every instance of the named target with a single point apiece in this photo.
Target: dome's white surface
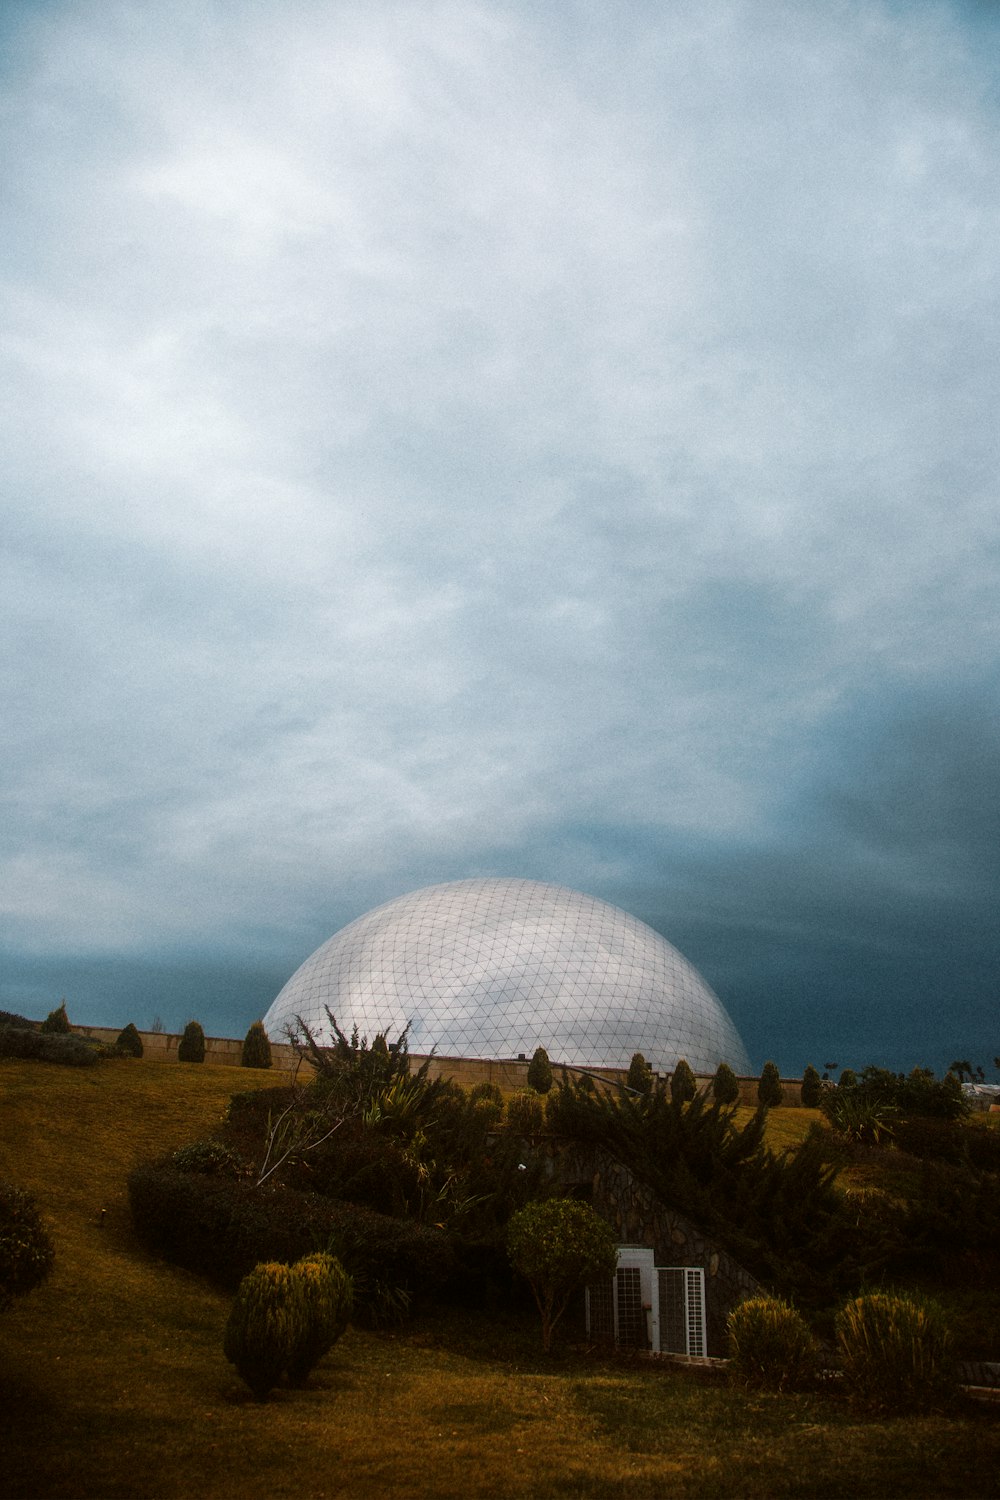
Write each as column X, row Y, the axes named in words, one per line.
column 494, row 968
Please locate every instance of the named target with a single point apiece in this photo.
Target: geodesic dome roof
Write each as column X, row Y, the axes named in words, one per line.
column 494, row 968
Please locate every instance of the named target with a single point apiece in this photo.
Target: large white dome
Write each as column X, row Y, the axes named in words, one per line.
column 494, row 968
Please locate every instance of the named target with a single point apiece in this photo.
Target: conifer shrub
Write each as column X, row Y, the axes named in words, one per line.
column 267, row 1324
column 895, row 1352
column 682, row 1082
column 770, row 1345
column 57, row 1021
column 811, row 1090
column 191, row 1047
column 256, row 1048
column 769, row 1090
column 129, row 1042
column 327, row 1295
column 525, row 1113
column 725, row 1087
column 640, row 1075
column 26, row 1252
column 540, row 1071
column 848, row 1079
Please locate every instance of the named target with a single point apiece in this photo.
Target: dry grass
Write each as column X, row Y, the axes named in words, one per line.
column 112, row 1380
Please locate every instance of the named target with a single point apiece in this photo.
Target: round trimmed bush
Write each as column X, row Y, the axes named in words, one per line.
column 770, row 1345
column 267, row 1323
column 895, row 1351
column 26, row 1252
column 327, row 1295
column 129, row 1041
column 525, row 1113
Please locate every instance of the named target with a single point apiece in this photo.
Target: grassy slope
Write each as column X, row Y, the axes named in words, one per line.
column 112, row 1380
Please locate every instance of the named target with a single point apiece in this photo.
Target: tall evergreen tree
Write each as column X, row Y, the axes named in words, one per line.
column 191, row 1047
column 540, row 1071
column 725, row 1087
column 256, row 1048
column 682, row 1083
column 769, row 1090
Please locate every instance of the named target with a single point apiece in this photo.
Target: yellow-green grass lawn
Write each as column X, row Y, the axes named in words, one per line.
column 113, row 1382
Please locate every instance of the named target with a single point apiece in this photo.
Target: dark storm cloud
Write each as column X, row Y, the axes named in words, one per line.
column 497, row 438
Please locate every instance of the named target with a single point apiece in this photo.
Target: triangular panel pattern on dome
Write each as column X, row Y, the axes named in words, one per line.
column 492, row 968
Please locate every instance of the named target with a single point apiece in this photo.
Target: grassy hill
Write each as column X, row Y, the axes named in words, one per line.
column 113, row 1383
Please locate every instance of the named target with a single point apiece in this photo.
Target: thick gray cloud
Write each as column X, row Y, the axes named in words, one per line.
column 470, row 438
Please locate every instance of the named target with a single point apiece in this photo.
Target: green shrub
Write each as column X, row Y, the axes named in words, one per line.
column 222, row 1227
column 950, row 1141
column 895, row 1352
column 640, row 1074
column 191, row 1048
column 67, row 1051
column 540, row 1071
column 811, row 1091
column 20, row 1023
column 26, row 1252
column 769, row 1090
column 856, row 1116
column 682, row 1082
column 559, row 1247
column 267, row 1323
column 770, row 1345
column 210, row 1157
column 129, row 1042
column 57, row 1020
column 848, row 1079
column 256, row 1048
column 327, row 1295
column 525, row 1113
column 725, row 1086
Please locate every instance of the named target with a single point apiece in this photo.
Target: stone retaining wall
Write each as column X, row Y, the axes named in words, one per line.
column 639, row 1218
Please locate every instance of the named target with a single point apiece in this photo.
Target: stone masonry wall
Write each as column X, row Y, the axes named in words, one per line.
column 639, row 1218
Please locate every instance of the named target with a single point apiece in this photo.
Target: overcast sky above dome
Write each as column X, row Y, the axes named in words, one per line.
column 555, row 440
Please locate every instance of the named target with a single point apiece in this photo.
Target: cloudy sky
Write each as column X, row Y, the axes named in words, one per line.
column 451, row 439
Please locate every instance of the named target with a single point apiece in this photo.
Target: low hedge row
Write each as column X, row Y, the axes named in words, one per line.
column 53, row 1047
column 222, row 1228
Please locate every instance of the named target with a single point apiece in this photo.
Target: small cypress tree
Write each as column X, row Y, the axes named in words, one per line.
column 725, row 1086
column 129, row 1041
column 682, row 1084
column 191, row 1047
column 812, row 1088
column 640, row 1074
column 326, row 1295
column 848, row 1079
column 769, row 1090
column 540, row 1071
column 57, row 1020
column 256, row 1048
column 267, row 1323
